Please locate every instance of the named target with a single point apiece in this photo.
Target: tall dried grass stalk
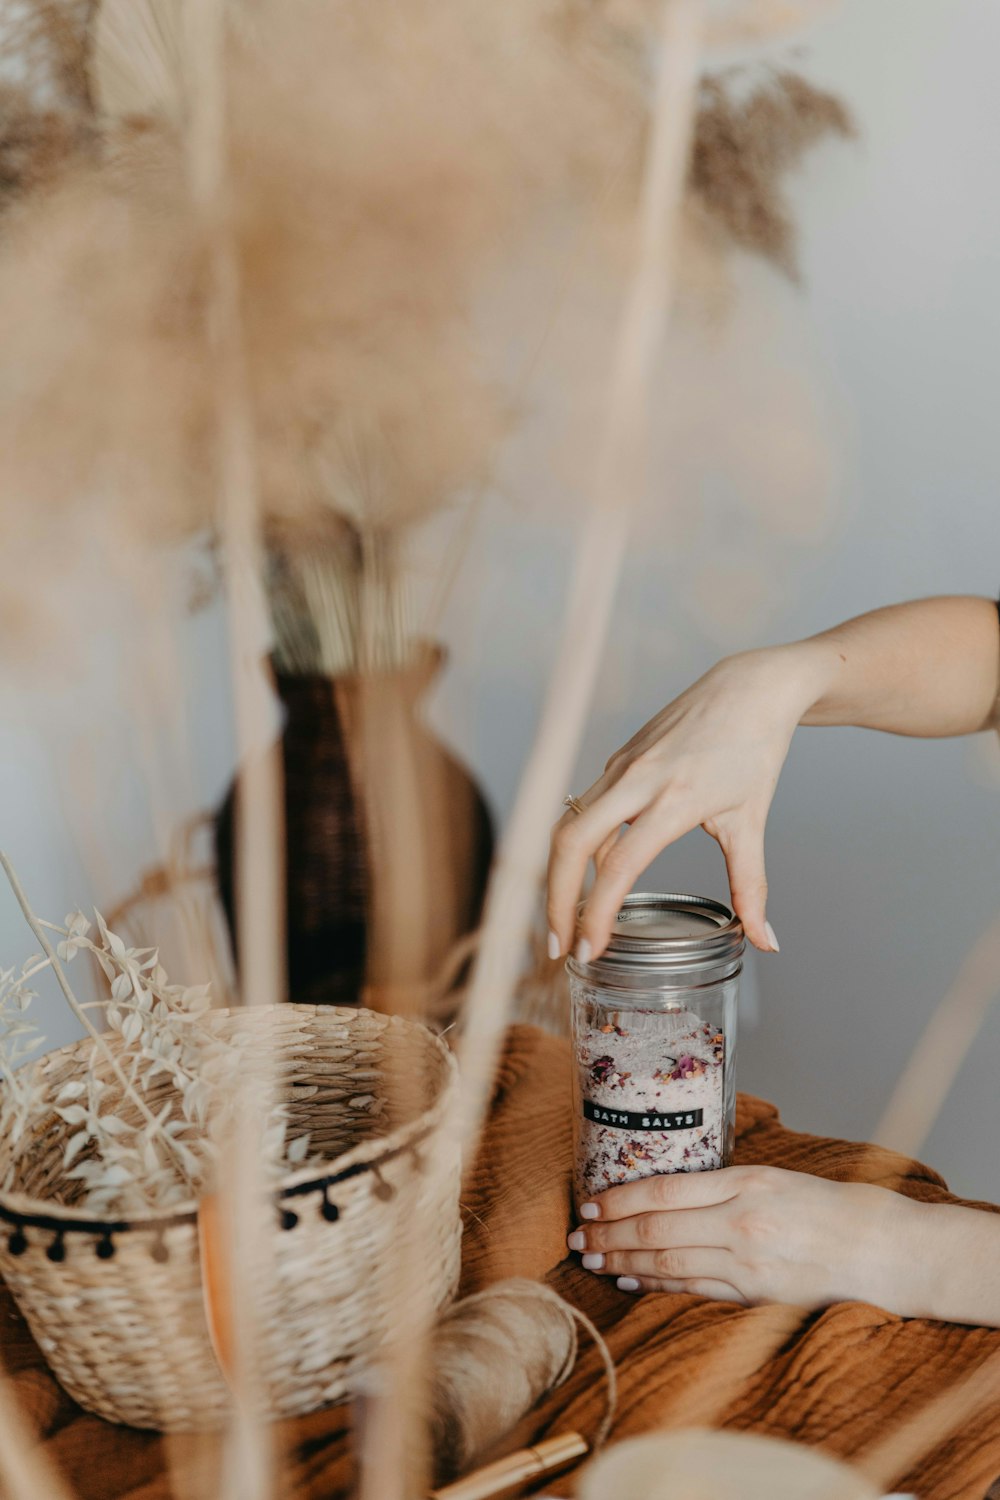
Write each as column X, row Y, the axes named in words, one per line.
column 928, row 1077
column 249, row 1461
column 26, row 1471
column 138, row 58
column 894, row 1456
column 598, row 559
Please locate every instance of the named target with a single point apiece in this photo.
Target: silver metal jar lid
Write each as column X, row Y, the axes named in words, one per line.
column 673, row 934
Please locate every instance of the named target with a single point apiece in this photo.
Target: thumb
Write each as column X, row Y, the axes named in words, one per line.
column 744, row 851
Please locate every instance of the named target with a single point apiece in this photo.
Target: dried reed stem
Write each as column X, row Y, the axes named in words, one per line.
column 26, row 1473
column 893, row 1457
column 598, row 559
column 249, row 1467
column 927, row 1078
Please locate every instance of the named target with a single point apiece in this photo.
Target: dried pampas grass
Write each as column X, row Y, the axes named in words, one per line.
column 749, row 135
column 45, row 124
column 36, row 146
column 384, row 170
column 381, row 167
column 44, row 42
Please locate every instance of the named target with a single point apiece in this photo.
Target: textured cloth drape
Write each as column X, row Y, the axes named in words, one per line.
column 838, row 1378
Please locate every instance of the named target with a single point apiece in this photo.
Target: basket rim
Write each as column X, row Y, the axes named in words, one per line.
column 27, row 1210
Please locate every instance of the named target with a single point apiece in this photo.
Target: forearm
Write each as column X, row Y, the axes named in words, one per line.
column 929, row 668
column 952, row 1260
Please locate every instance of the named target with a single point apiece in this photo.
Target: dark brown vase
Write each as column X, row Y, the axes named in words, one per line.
column 388, row 840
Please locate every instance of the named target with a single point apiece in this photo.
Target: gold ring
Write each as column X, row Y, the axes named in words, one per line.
column 574, row 804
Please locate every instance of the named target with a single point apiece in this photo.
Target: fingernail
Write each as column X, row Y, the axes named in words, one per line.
column 769, row 930
column 593, row 1262
column 583, row 951
column 577, row 1240
column 627, row 1284
column 590, row 1211
column 555, row 947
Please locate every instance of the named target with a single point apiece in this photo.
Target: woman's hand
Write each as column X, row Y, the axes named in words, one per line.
column 761, row 1234
column 712, row 757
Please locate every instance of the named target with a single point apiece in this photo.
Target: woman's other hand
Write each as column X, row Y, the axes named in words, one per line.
column 712, row 758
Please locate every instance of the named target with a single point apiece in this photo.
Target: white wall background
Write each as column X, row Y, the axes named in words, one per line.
column 882, row 853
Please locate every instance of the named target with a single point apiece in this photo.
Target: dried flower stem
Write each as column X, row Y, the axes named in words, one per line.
column 598, row 560
column 894, row 1456
column 928, row 1076
column 25, row 1471
column 81, row 1014
column 249, row 1457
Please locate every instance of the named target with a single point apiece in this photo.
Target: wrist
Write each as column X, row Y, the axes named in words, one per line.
column 794, row 677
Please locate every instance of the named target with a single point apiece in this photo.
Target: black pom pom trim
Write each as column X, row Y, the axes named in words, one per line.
column 288, row 1219
column 57, row 1250
column 105, row 1247
column 18, row 1242
column 330, row 1211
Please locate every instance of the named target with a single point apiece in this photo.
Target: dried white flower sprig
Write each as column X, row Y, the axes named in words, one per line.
column 161, row 1029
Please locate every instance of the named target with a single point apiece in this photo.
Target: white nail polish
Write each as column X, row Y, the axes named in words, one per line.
column 593, row 1262
column 589, row 1211
column 769, row 930
column 555, row 947
column 583, row 951
column 627, row 1284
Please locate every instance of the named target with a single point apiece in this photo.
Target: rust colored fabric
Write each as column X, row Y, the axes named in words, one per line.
column 839, row 1379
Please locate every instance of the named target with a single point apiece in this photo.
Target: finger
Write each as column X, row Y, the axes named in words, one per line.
column 743, row 847
column 575, row 838
column 666, row 1191
column 678, row 1229
column 698, row 1286
column 669, row 1264
column 622, row 866
column 602, row 853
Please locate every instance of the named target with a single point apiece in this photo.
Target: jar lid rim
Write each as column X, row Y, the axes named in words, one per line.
column 628, row 946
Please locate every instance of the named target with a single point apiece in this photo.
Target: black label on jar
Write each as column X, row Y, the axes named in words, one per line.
column 620, row 1119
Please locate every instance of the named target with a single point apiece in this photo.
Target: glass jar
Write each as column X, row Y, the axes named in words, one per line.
column 654, row 1043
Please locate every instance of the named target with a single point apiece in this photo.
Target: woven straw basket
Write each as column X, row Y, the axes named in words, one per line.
column 117, row 1306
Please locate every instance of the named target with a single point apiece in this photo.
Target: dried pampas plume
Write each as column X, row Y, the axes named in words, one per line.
column 383, row 166
column 747, row 140
column 45, row 122
column 36, row 146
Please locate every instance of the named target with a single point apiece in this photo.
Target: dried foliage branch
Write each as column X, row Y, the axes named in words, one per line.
column 161, row 1030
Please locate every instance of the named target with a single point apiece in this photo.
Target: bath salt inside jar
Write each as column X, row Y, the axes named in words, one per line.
column 654, row 1043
